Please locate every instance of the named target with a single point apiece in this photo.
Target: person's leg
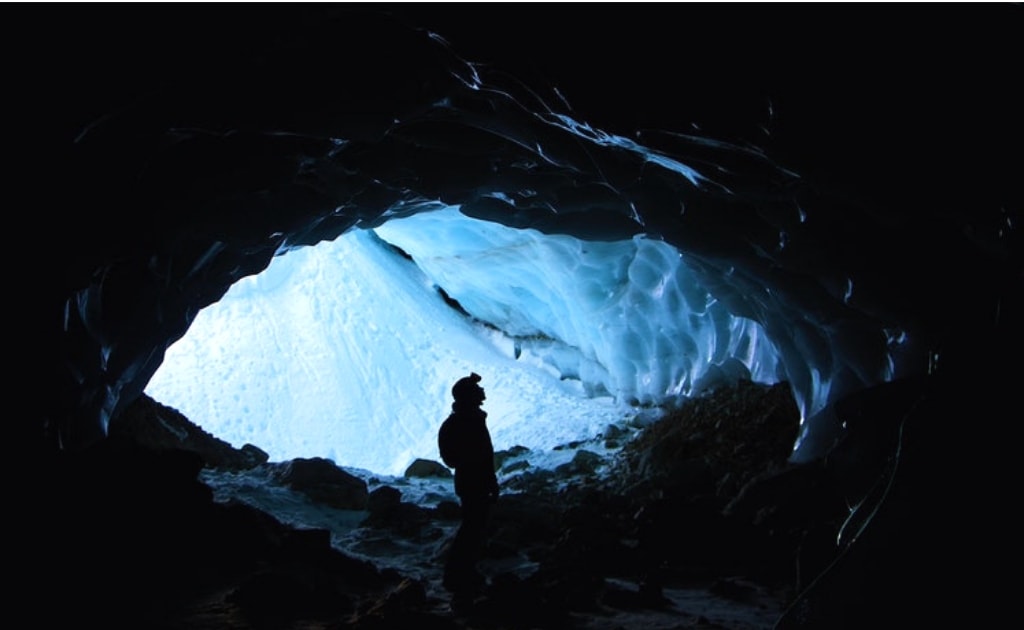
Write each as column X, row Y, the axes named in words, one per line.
column 460, row 570
column 475, row 526
column 455, row 566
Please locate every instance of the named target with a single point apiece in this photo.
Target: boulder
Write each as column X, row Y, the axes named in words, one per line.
column 323, row 481
column 426, row 468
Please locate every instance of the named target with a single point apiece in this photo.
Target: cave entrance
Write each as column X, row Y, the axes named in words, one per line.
column 347, row 349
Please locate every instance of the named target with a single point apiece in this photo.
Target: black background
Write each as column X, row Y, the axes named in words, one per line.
column 902, row 105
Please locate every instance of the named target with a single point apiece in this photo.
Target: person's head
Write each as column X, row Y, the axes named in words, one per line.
column 467, row 390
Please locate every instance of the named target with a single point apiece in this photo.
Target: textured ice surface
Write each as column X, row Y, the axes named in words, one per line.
column 627, row 318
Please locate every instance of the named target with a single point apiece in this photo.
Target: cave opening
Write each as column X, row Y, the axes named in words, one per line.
column 346, row 349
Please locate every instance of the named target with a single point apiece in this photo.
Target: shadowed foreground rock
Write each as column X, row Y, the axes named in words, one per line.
column 712, row 516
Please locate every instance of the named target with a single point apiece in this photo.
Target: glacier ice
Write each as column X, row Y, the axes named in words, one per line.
column 628, row 318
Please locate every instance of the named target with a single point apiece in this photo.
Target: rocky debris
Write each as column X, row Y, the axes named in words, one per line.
column 448, row 510
column 584, row 463
column 501, row 458
column 389, row 512
column 717, row 442
column 405, row 606
column 154, row 425
column 687, row 503
column 615, row 436
column 704, row 493
column 537, row 601
column 523, row 525
column 383, row 499
column 710, row 492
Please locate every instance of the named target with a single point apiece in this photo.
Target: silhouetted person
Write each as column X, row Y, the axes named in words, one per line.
column 465, row 445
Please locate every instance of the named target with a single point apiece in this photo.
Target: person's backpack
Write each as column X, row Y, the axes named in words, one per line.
column 446, row 444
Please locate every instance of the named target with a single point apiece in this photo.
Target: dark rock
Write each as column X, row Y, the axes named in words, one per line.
column 532, row 482
column 708, row 443
column 409, row 594
column 406, row 520
column 522, row 603
column 448, row 511
column 521, row 464
column 734, row 589
column 252, row 456
column 570, row 588
column 523, row 524
column 157, row 426
column 388, row 511
column 500, row 457
column 322, row 480
column 162, row 542
column 584, row 462
column 613, row 432
column 791, row 498
column 383, row 499
column 425, row 468
column 624, row 599
column 272, row 598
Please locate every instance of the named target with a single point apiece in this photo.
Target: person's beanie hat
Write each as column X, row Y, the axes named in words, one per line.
column 466, row 386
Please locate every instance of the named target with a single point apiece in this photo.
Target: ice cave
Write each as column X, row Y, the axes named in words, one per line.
column 298, row 226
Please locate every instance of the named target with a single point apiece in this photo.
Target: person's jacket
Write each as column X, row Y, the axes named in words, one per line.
column 465, row 445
